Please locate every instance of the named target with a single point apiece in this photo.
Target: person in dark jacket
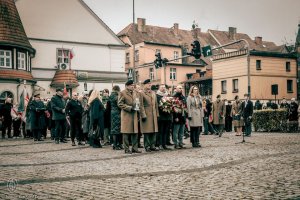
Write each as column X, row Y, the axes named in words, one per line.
column 257, row 105
column 179, row 117
column 293, row 116
column 284, row 104
column 247, row 111
column 85, row 115
column 5, row 115
column 228, row 117
column 164, row 120
column 58, row 115
column 115, row 115
column 74, row 113
column 96, row 119
column 38, row 120
column 106, row 104
column 51, row 122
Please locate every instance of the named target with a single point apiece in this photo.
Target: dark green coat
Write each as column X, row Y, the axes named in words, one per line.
column 115, row 114
column 57, row 105
column 37, row 115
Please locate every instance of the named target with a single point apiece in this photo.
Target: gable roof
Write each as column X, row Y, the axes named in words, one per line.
column 12, row 32
column 163, row 35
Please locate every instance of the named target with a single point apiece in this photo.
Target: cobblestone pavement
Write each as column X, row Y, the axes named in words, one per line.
column 221, row 169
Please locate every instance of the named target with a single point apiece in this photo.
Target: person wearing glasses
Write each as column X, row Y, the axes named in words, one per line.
column 74, row 113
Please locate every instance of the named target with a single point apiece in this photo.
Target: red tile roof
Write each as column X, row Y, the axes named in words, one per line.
column 12, row 32
column 11, row 74
column 63, row 77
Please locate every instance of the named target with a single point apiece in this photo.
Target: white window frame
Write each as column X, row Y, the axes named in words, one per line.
column 173, row 74
column 136, row 55
column 176, row 56
column 21, row 60
column 151, row 73
column 63, row 58
column 223, row 86
column 5, row 57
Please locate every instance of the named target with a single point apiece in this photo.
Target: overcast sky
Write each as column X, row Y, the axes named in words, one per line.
column 274, row 20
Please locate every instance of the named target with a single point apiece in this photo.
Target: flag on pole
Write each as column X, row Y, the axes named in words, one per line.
column 72, row 54
column 65, row 89
column 21, row 102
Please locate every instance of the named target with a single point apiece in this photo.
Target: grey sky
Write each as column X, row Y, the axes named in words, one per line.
column 274, row 20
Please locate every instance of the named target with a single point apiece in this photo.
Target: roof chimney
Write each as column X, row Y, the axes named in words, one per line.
column 232, row 33
column 141, row 24
column 258, row 40
column 176, row 26
column 196, row 32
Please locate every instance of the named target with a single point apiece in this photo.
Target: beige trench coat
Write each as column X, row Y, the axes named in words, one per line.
column 129, row 118
column 195, row 111
column 218, row 109
column 236, row 109
column 151, row 110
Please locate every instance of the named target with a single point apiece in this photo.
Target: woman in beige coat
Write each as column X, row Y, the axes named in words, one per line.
column 195, row 115
column 237, row 117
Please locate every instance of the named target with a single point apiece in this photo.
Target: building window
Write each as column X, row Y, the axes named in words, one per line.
column 288, row 66
column 290, row 86
column 21, row 61
column 172, row 73
column 176, row 56
column 5, row 58
column 63, row 56
column 258, row 64
column 136, row 55
column 151, row 73
column 223, row 87
column 235, row 85
column 127, row 58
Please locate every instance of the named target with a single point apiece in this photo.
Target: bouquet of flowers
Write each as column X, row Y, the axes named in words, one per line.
column 179, row 106
column 165, row 104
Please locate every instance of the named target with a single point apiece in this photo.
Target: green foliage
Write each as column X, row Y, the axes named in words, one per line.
column 270, row 120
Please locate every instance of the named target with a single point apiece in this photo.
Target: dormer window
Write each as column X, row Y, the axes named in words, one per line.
column 63, row 56
column 21, row 61
column 5, row 58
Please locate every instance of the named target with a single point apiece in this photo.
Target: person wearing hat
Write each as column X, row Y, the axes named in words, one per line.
column 149, row 123
column 38, row 117
column 247, row 111
column 132, row 110
column 5, row 116
column 58, row 115
column 218, row 115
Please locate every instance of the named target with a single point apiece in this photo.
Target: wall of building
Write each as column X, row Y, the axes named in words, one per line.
column 16, row 89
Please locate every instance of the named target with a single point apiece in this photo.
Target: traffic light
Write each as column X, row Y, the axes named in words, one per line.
column 196, row 50
column 158, row 61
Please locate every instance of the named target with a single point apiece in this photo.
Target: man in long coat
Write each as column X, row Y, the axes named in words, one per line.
column 132, row 110
column 247, row 111
column 149, row 124
column 218, row 114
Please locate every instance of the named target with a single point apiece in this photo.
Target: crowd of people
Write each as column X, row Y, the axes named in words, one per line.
column 122, row 118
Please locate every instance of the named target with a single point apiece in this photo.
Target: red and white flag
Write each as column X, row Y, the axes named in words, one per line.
column 72, row 54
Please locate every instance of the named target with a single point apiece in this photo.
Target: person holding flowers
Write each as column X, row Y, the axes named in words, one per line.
column 165, row 116
column 179, row 107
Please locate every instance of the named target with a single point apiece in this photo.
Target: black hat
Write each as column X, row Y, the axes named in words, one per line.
column 218, row 96
column 246, row 95
column 129, row 82
column 146, row 81
column 59, row 90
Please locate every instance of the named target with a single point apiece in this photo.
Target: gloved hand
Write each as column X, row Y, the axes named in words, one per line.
column 144, row 119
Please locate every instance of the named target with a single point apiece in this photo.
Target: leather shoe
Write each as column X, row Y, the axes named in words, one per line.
column 56, row 141
column 128, row 152
column 73, row 144
column 154, row 149
column 63, row 141
column 140, row 146
column 148, row 150
column 136, row 151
